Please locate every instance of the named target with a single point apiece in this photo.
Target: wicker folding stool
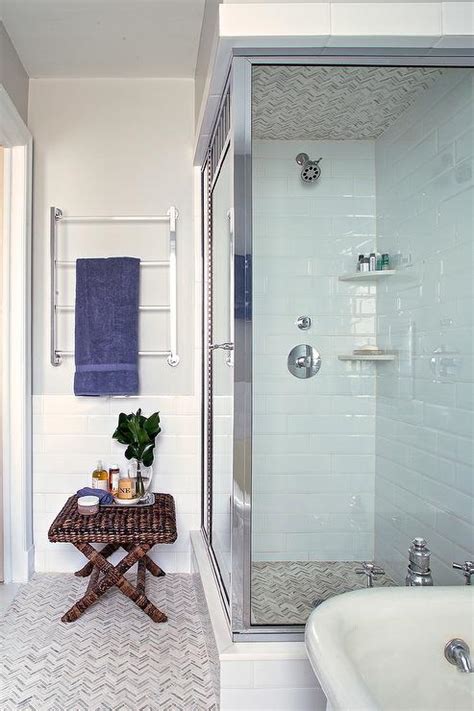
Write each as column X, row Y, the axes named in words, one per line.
column 135, row 529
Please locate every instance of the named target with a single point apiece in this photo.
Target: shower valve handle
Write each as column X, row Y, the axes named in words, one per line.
column 371, row 571
column 468, row 569
column 304, row 361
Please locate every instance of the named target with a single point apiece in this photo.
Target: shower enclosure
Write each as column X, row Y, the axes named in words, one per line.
column 337, row 420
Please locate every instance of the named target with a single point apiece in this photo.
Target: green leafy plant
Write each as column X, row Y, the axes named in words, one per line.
column 138, row 433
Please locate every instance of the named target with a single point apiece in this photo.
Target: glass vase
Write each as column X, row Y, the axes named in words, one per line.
column 141, row 478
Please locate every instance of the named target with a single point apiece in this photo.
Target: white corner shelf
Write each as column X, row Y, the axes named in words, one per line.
column 360, row 276
column 385, row 356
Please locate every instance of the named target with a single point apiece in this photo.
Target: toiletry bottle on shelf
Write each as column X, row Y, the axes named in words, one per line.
column 100, row 478
column 364, row 265
column 359, row 262
column 378, row 257
column 385, row 261
column 372, row 262
column 114, row 476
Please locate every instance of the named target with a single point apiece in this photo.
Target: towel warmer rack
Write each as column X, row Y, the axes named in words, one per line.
column 57, row 216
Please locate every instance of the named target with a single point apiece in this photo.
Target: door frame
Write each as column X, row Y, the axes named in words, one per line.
column 219, row 147
column 18, row 553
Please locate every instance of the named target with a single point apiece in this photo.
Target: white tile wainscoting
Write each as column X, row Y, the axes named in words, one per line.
column 71, row 434
column 255, row 676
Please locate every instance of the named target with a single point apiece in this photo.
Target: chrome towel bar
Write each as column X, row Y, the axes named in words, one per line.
column 57, row 216
column 143, row 263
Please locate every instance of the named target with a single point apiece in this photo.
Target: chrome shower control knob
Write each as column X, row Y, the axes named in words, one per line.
column 304, row 361
column 304, row 322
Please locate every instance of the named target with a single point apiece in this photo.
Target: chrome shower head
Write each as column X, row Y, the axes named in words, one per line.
column 310, row 168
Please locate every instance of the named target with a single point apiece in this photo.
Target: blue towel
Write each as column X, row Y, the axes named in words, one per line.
column 103, row 496
column 106, row 338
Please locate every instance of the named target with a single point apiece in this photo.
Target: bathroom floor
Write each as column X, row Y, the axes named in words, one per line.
column 285, row 592
column 113, row 657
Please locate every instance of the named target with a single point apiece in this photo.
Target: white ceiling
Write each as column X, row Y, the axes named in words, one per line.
column 105, row 38
column 331, row 102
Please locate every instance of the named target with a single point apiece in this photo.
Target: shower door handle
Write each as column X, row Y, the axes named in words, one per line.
column 229, row 361
column 222, row 347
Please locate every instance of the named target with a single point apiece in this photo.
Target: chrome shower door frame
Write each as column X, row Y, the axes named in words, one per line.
column 218, row 149
column 239, row 606
column 241, row 145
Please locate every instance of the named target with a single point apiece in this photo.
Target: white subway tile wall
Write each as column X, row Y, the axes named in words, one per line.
column 67, row 447
column 314, row 440
column 424, row 419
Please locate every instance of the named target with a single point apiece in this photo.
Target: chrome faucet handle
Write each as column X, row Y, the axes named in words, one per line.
column 304, row 361
column 371, row 571
column 468, row 569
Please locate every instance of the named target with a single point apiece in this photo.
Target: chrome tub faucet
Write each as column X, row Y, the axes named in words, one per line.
column 457, row 652
column 419, row 572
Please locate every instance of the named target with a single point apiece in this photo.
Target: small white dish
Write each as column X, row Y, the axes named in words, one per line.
column 368, row 348
column 126, row 502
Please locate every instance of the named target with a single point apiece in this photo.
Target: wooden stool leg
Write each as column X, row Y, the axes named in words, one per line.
column 106, row 552
column 93, row 580
column 113, row 576
column 141, row 575
column 153, row 567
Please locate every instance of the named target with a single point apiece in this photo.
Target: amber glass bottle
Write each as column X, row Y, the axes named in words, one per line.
column 100, row 477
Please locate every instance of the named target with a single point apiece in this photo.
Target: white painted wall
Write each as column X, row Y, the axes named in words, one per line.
column 206, row 49
column 114, row 147
column 2, row 521
column 12, row 74
column 425, row 427
column 313, row 466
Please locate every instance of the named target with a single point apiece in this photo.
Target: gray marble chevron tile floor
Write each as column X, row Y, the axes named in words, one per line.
column 285, row 592
column 114, row 658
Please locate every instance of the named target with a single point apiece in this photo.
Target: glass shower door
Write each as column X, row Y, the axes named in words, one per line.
column 220, row 368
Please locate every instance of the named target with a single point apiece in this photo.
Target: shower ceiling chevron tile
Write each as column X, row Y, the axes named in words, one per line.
column 338, row 103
